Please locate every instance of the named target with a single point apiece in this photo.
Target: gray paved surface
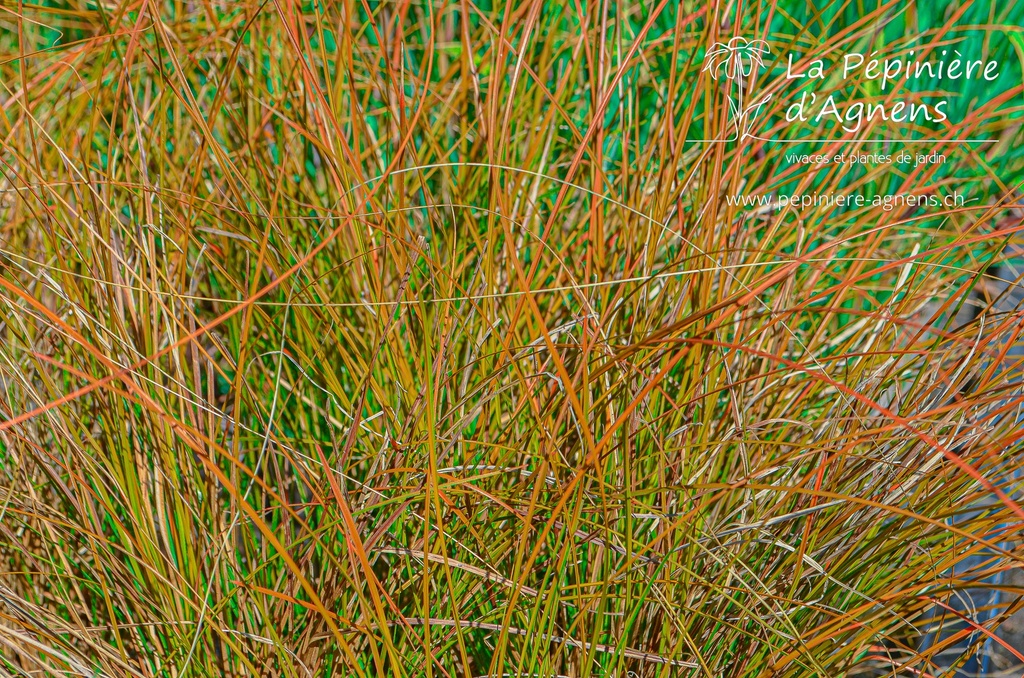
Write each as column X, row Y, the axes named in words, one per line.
column 1001, row 294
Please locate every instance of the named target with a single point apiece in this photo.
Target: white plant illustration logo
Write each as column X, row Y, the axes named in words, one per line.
column 738, row 60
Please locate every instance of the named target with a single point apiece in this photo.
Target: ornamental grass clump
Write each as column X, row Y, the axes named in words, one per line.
column 458, row 339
